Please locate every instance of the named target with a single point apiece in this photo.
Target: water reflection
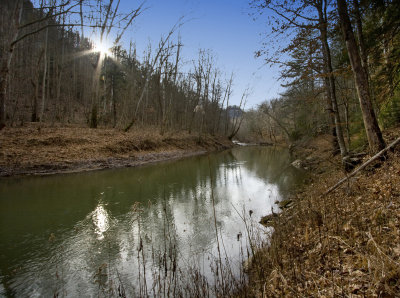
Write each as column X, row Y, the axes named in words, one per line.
column 100, row 219
column 98, row 230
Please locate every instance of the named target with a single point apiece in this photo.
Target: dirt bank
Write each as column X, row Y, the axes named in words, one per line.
column 36, row 149
column 345, row 243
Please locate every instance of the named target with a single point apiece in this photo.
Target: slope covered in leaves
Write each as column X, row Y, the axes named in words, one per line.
column 346, row 243
column 45, row 149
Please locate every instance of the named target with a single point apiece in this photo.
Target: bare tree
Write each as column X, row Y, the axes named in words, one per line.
column 374, row 135
column 321, row 6
column 238, row 119
column 296, row 18
column 19, row 32
column 15, row 20
column 124, row 19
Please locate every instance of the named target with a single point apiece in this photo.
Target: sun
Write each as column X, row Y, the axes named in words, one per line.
column 102, row 47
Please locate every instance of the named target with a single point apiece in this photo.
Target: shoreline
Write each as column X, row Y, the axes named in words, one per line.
column 36, row 150
column 97, row 164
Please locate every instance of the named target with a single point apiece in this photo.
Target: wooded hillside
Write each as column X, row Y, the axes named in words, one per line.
column 52, row 72
column 340, row 68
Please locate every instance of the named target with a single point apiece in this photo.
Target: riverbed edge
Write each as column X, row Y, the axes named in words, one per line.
column 29, row 151
column 97, row 164
column 341, row 243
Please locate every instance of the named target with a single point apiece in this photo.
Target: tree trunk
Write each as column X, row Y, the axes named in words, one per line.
column 114, row 104
column 277, row 121
column 361, row 43
column 95, row 92
column 60, row 68
column 373, row 131
column 363, row 166
column 331, row 88
column 35, row 84
column 6, row 62
column 198, row 96
column 3, row 91
column 332, row 125
column 44, row 77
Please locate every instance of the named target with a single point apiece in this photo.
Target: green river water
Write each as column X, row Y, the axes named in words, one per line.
column 78, row 235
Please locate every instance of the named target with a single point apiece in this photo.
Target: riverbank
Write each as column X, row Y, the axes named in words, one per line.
column 344, row 243
column 39, row 149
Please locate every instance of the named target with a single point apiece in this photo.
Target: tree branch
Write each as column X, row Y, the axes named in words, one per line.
column 45, row 27
column 364, row 165
column 48, row 16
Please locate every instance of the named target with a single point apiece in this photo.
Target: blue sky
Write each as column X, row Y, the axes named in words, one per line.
column 222, row 26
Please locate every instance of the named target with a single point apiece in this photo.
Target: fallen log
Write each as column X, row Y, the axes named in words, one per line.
column 369, row 161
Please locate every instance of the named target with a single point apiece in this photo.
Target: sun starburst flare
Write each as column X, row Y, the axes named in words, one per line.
column 103, row 48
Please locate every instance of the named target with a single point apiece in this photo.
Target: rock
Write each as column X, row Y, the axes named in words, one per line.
column 284, row 204
column 266, row 144
column 246, row 265
column 350, row 162
column 297, row 164
column 268, row 220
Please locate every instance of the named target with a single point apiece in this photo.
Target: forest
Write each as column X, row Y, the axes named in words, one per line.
column 338, row 65
column 52, row 73
column 340, row 69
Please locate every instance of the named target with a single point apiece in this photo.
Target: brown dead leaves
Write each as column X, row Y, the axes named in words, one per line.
column 24, row 149
column 351, row 249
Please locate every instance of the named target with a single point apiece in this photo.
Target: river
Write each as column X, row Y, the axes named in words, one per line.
column 113, row 231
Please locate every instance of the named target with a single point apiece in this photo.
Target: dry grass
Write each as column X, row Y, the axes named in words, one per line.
column 346, row 243
column 40, row 148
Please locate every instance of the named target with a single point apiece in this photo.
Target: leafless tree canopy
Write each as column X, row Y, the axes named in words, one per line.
column 52, row 72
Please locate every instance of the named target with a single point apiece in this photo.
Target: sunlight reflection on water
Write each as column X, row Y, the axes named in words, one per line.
column 101, row 221
column 95, row 220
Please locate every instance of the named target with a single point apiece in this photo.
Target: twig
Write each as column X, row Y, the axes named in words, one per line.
column 379, row 250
